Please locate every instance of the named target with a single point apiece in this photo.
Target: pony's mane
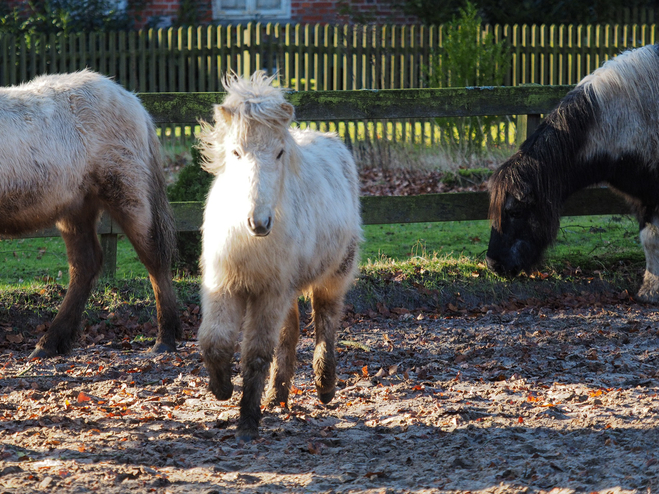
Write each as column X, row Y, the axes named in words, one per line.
column 543, row 161
column 632, row 76
column 249, row 101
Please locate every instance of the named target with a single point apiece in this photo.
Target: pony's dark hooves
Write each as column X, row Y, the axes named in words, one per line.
column 161, row 347
column 40, row 353
column 222, row 393
column 275, row 402
column 325, row 398
column 246, row 435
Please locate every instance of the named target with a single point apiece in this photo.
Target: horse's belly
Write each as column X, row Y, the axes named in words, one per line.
column 30, row 210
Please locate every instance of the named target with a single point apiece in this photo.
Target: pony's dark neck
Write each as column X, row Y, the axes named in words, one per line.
column 552, row 152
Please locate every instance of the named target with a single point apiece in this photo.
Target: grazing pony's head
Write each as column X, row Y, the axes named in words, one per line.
column 250, row 144
column 528, row 190
column 522, row 224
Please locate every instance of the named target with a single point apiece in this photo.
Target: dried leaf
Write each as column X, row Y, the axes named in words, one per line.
column 14, row 338
column 82, row 397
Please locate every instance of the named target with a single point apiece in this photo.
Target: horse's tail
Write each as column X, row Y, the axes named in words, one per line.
column 163, row 226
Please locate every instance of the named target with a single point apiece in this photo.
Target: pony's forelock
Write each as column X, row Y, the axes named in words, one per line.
column 256, row 100
column 506, row 180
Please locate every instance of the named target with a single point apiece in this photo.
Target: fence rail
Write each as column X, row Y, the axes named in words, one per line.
column 419, row 103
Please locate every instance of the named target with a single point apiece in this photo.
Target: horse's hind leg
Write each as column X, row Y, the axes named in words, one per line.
column 85, row 262
column 283, row 365
column 154, row 246
column 649, row 291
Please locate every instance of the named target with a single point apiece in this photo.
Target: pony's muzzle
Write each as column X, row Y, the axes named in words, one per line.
column 260, row 228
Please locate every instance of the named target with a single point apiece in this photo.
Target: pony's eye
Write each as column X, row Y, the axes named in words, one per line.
column 516, row 213
column 236, row 153
column 281, row 153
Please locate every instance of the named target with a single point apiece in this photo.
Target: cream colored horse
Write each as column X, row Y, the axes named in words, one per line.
column 72, row 145
column 282, row 218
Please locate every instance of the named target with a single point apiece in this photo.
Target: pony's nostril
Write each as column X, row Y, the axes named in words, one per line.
column 268, row 224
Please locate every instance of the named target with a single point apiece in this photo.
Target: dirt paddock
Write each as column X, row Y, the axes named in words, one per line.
column 530, row 400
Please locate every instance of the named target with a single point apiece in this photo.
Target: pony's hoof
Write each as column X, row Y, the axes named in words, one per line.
column 647, row 295
column 161, row 347
column 39, row 353
column 246, row 435
column 326, row 397
column 276, row 399
column 221, row 392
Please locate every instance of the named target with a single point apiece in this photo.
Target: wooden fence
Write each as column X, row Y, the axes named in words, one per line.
column 313, row 57
column 308, row 57
column 373, row 105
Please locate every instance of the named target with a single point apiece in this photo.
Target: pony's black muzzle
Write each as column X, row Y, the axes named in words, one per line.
column 501, row 268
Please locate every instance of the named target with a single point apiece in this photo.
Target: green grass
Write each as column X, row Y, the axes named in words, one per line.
column 23, row 261
column 590, row 242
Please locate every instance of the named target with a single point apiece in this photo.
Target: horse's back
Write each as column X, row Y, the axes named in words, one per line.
column 330, row 221
column 66, row 136
column 328, row 176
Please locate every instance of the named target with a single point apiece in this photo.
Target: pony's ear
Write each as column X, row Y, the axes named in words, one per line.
column 223, row 114
column 289, row 110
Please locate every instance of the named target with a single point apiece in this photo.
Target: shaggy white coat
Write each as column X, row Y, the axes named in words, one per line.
column 306, row 184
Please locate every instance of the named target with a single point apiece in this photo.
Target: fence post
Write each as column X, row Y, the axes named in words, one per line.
column 532, row 122
column 109, row 248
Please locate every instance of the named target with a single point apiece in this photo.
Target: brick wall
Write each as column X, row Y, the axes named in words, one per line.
column 304, row 11
column 167, row 11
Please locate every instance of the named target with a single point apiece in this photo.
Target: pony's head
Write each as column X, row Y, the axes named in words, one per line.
column 523, row 221
column 250, row 144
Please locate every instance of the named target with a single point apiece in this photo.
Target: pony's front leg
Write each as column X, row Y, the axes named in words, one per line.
column 649, row 291
column 263, row 319
column 85, row 263
column 222, row 316
column 283, row 366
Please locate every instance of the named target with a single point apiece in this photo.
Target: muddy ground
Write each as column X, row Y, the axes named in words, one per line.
column 525, row 400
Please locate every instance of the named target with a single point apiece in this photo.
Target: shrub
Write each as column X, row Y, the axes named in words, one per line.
column 67, row 16
column 469, row 57
column 192, row 184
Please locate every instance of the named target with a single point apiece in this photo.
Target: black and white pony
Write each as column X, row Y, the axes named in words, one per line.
column 605, row 130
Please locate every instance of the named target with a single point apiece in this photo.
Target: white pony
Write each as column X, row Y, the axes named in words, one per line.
column 72, row 145
column 282, row 218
